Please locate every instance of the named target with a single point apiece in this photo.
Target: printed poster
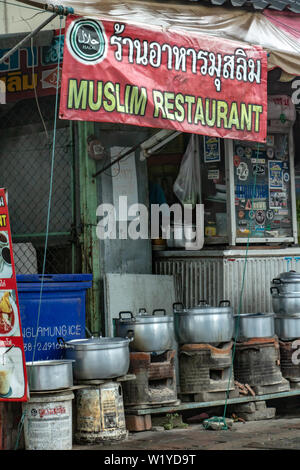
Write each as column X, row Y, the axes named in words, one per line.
column 212, row 152
column 145, row 76
column 275, row 174
column 13, row 376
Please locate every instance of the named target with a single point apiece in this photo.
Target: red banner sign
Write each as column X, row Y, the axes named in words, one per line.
column 13, row 377
column 116, row 72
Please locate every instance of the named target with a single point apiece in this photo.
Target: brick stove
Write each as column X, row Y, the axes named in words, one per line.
column 289, row 357
column 155, row 382
column 257, row 363
column 205, row 372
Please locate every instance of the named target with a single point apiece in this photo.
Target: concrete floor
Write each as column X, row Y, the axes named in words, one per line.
column 279, row 433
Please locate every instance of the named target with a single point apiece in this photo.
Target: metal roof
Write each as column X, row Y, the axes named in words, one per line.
column 279, row 5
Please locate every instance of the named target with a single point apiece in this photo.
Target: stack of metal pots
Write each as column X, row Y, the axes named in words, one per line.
column 203, row 324
column 285, row 291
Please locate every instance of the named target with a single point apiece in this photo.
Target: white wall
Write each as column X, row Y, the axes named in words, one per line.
column 21, row 19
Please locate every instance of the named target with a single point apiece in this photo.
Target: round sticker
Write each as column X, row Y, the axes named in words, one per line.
column 270, row 214
column 241, row 214
column 286, row 177
column 87, row 41
column 270, row 153
column 251, row 215
column 240, row 151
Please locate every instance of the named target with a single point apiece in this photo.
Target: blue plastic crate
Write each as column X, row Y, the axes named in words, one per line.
column 62, row 312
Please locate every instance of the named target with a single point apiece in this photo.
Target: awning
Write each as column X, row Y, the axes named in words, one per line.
column 252, row 27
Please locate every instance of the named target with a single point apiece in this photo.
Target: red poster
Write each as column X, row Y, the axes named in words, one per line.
column 13, row 377
column 189, row 82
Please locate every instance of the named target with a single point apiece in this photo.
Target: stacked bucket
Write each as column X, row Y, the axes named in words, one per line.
column 285, row 291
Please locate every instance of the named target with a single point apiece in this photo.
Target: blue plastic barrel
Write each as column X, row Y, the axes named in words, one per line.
column 62, row 312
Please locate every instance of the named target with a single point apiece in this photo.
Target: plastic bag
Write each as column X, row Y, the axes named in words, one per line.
column 187, row 184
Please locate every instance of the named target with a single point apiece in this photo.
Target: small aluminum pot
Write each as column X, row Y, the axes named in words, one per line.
column 149, row 333
column 287, row 283
column 287, row 328
column 254, row 325
column 97, row 358
column 285, row 303
column 49, row 375
column 203, row 323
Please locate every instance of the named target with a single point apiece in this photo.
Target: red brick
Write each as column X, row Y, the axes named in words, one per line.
column 136, row 423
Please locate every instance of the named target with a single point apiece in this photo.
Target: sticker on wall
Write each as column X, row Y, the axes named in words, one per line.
column 212, row 152
column 248, row 205
column 248, row 152
column 236, row 160
column 270, row 140
column 259, row 205
column 270, row 153
column 277, row 200
column 251, row 215
column 243, row 223
column 242, row 171
column 275, row 175
column 258, row 169
column 286, row 177
column 241, row 214
column 260, row 217
column 240, row 151
column 272, row 233
column 213, row 174
column 270, row 214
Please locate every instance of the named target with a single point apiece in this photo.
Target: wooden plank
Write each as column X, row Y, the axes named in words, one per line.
column 230, row 401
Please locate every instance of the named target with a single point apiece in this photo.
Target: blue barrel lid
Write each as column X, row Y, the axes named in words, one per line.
column 57, row 278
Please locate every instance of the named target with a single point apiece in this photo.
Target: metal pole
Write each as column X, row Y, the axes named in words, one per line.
column 30, row 35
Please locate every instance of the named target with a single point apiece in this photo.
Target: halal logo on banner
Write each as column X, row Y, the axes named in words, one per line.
column 87, row 41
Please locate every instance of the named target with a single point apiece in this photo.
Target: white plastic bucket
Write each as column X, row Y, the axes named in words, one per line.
column 48, row 421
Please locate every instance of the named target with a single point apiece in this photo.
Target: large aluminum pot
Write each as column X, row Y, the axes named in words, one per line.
column 288, row 282
column 203, row 323
column 285, row 303
column 97, row 358
column 49, row 375
column 254, row 325
column 149, row 332
column 287, row 327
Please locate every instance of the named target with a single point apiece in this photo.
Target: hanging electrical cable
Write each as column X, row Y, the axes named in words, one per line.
column 21, row 422
column 217, row 419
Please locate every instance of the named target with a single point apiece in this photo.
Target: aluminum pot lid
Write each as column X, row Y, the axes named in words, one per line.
column 254, row 315
column 285, row 295
column 51, row 362
column 206, row 309
column 287, row 277
column 284, row 317
column 97, row 343
column 149, row 319
column 144, row 317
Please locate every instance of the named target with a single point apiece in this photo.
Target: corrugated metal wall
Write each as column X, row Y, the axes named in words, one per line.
column 215, row 279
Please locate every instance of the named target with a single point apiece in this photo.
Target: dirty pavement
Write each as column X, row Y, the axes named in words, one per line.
column 279, row 433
